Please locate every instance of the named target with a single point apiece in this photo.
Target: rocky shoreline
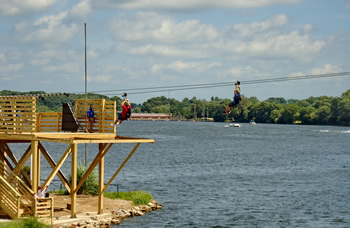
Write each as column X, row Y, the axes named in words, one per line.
column 115, row 217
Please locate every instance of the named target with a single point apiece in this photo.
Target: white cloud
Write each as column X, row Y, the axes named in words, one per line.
column 181, row 66
column 54, row 34
column 327, row 68
column 156, row 27
column 2, row 57
column 189, row 4
column 240, row 71
column 20, row 26
column 192, row 39
column 81, row 9
column 16, row 7
column 11, row 68
column 57, row 28
column 92, row 54
column 166, row 51
column 257, row 27
column 62, row 68
column 101, row 78
column 275, row 44
column 307, row 28
column 39, row 62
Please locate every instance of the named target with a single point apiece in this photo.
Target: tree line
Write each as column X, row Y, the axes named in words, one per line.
column 322, row 110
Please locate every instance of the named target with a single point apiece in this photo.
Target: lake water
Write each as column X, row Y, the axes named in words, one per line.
column 209, row 175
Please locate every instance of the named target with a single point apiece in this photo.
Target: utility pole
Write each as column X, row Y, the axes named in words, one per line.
column 85, row 89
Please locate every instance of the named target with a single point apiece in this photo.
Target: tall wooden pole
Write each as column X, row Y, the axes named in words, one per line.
column 85, row 90
column 73, row 194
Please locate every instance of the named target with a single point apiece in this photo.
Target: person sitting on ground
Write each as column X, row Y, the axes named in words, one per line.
column 236, row 99
column 126, row 113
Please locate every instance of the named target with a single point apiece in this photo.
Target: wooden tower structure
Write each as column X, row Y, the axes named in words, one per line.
column 20, row 123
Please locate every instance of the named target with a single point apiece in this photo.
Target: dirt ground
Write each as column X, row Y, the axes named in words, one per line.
column 87, row 204
column 84, row 204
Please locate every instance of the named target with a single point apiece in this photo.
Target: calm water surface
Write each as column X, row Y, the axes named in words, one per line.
column 209, row 175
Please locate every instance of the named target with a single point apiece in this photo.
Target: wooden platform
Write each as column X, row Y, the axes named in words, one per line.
column 19, row 123
column 71, row 138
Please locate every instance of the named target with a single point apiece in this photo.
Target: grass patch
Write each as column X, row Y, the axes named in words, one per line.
column 31, row 222
column 59, row 192
column 137, row 197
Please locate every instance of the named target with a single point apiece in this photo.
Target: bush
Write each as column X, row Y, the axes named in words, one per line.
column 90, row 186
column 137, row 197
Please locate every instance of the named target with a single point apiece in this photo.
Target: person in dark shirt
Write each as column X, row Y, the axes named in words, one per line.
column 91, row 119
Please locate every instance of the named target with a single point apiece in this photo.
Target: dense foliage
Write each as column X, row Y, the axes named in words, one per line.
column 314, row 110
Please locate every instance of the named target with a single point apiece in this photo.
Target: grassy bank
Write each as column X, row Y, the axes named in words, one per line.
column 137, row 197
column 24, row 223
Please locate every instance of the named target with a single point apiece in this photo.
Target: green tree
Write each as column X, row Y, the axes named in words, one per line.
column 344, row 111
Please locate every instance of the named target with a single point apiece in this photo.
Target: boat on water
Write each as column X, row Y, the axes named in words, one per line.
column 252, row 122
column 233, row 125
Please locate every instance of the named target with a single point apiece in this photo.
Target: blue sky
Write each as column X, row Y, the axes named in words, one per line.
column 149, row 43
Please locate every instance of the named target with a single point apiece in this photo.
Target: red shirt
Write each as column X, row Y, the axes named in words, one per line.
column 125, row 110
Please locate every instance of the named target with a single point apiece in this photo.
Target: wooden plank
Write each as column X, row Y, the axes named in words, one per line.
column 101, row 182
column 34, row 167
column 73, row 193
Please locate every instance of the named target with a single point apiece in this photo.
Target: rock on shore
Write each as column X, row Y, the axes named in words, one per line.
column 118, row 215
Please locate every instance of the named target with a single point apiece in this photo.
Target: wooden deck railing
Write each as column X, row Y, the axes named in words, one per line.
column 17, row 114
column 49, row 122
column 43, row 209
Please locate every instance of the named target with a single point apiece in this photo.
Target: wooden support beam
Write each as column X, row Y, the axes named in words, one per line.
column 100, row 181
column 34, row 168
column 56, row 167
column 38, row 164
column 9, row 153
column 94, row 163
column 121, row 166
column 18, row 165
column 23, row 160
column 73, row 193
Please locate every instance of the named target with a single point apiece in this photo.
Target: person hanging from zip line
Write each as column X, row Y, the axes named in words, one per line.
column 236, row 98
column 125, row 114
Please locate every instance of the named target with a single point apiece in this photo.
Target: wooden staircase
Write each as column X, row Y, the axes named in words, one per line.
column 17, row 199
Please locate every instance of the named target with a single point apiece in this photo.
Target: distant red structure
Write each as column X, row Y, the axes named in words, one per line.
column 151, row 116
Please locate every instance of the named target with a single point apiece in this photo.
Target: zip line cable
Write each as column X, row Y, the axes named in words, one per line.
column 219, row 84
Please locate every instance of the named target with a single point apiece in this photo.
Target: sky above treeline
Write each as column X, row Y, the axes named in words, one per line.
column 156, row 43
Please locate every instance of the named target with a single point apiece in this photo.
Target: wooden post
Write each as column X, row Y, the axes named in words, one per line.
column 38, row 163
column 101, row 181
column 73, row 194
column 34, row 168
column 102, row 124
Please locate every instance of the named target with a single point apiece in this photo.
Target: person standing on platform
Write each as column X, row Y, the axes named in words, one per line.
column 91, row 119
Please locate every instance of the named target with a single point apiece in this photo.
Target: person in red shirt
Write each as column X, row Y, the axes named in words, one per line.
column 126, row 113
